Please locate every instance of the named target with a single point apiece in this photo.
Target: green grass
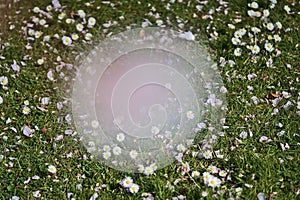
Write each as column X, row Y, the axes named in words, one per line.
column 252, row 165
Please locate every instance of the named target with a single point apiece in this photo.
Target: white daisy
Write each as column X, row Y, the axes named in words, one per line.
column 1, row 100
column 74, row 36
column 214, row 182
column 266, row 13
column 88, row 36
column 106, row 148
column 279, row 25
column 207, row 154
column 52, row 169
column 133, row 154
column 235, row 41
column 195, row 174
column 190, row 115
column 148, row 171
column 81, row 13
column 255, row 49
column 127, row 182
column 120, row 137
column 270, row 26
column 3, row 80
column 40, row 61
column 117, row 150
column 181, row 148
column 206, row 176
column 67, row 40
column 237, row 51
column 106, row 155
column 134, row 188
column 269, row 47
column 91, row 21
column 140, row 168
column 26, row 110
column 79, row 27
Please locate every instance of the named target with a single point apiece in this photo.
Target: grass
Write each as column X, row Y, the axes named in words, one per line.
column 256, row 167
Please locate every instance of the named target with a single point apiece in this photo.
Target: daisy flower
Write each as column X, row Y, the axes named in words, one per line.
column 253, row 5
column 270, row 26
column 298, row 105
column 279, row 25
column 88, row 36
column 40, row 61
column 106, row 155
column 26, row 110
column 269, row 47
column 257, row 14
column 214, row 182
column 195, row 174
column 231, row 26
column 238, row 190
column 81, row 13
column 67, row 40
column 181, row 148
column 235, row 41
column 52, row 169
column 237, row 34
column 237, row 51
column 133, row 154
column 74, row 36
column 31, row 32
column 255, row 30
column 148, row 171
column 3, row 80
column 1, row 100
column 120, row 137
column 190, row 115
column 127, row 182
column 36, row 9
column 117, row 150
column 206, row 176
column 106, row 148
column 213, row 169
column 95, row 124
column 222, row 173
column 255, row 49
column 38, row 34
column 287, row 9
column 134, row 188
column 140, row 168
column 69, row 21
column 91, row 22
column 79, row 27
column 207, row 154
column 61, row 16
column 251, row 13
column 266, row 13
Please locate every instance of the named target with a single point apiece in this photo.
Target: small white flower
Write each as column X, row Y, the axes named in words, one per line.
column 133, row 154
column 69, row 20
column 3, row 80
column 31, row 32
column 238, row 34
column 277, row 38
column 213, row 169
column 269, row 47
column 106, row 155
column 26, row 110
column 195, row 174
column 251, row 13
column 61, row 16
column 255, row 49
column 134, row 188
column 40, row 61
column 214, row 182
column 287, row 9
column 181, row 148
column 79, row 27
column 49, row 8
column 88, row 36
column 270, row 26
column 120, row 137
column 67, row 40
column 257, row 14
column 266, row 13
column 238, row 52
column 222, row 173
column 148, row 171
column 238, row 190
column 255, row 30
column 235, row 41
column 42, row 22
column 207, row 154
column 243, row 134
column 36, row 194
column 1, row 100
column 206, row 176
column 231, row 26
column 140, row 168
column 279, row 25
column 106, row 148
column 52, row 169
column 36, row 9
column 81, row 13
column 117, row 150
column 253, row 5
column 74, row 36
column 38, row 34
column 127, row 182
column 95, row 124
column 190, row 115
column 91, row 21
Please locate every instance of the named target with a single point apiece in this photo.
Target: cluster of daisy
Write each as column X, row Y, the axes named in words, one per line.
column 128, row 183
column 256, row 41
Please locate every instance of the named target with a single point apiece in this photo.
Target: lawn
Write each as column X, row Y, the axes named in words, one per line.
column 256, row 47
